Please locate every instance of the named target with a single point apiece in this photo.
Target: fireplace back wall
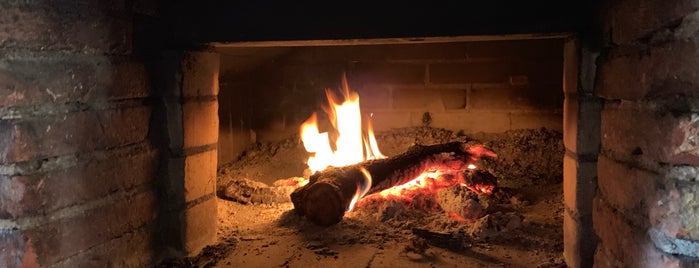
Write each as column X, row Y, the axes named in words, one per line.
column 484, row 86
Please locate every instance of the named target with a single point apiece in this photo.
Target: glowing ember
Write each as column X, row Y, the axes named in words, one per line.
column 352, row 144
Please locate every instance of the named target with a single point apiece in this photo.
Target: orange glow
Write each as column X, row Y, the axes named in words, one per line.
column 352, row 145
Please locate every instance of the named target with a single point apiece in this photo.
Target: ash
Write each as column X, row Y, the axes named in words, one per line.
column 518, row 225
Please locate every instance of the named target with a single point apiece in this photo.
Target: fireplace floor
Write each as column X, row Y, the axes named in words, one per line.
column 528, row 168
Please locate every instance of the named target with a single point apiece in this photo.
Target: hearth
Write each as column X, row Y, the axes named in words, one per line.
column 117, row 147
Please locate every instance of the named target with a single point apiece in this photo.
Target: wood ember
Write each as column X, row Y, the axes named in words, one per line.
column 327, row 196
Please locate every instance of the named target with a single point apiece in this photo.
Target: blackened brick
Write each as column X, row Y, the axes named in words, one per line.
column 69, row 25
column 627, row 188
column 664, row 70
column 629, row 21
column 36, row 79
column 91, row 178
column 57, row 240
column 77, row 132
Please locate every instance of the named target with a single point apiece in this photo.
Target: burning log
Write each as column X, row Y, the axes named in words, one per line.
column 331, row 192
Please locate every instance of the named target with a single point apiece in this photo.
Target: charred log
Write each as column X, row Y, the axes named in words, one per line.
column 327, row 196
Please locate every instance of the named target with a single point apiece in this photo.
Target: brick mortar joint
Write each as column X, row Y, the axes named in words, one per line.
column 673, row 104
column 34, row 221
column 641, row 223
column 145, row 227
column 44, row 111
column 45, row 165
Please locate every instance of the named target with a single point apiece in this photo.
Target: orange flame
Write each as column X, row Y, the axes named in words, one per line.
column 352, row 145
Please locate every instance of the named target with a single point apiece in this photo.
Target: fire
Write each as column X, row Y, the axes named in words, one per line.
column 351, row 146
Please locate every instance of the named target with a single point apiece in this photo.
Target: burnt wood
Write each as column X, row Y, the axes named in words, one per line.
column 327, row 196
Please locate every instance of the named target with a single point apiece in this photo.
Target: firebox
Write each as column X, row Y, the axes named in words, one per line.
column 505, row 94
column 522, row 133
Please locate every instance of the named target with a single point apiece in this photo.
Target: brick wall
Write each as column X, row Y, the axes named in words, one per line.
column 489, row 86
column 187, row 121
column 645, row 210
column 76, row 166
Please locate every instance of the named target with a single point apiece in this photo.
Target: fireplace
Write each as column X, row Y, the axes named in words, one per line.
column 113, row 122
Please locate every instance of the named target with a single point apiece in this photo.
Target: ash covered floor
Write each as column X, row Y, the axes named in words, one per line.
column 520, row 225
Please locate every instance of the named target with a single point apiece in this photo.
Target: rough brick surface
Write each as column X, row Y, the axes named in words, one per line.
column 22, row 140
column 200, row 74
column 66, row 25
column 57, row 240
column 16, row 250
column 133, row 249
column 675, row 210
column 200, row 122
column 663, row 70
column 640, row 132
column 631, row 20
column 628, row 189
column 625, row 242
column 199, row 175
column 200, row 221
column 579, row 185
column 90, row 178
column 36, row 79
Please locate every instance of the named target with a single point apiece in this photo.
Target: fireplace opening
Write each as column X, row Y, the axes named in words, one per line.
column 504, row 94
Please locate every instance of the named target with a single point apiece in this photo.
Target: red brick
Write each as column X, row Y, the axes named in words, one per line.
column 133, row 249
column 17, row 250
column 363, row 73
column 200, row 121
column 200, row 74
column 22, row 140
column 571, row 64
column 200, row 222
column 199, row 175
column 67, row 25
column 33, row 79
column 60, row 239
column 92, row 177
column 628, row 243
column 629, row 21
column 642, row 132
column 665, row 70
column 628, row 189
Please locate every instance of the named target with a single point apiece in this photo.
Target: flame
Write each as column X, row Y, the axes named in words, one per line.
column 352, row 145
